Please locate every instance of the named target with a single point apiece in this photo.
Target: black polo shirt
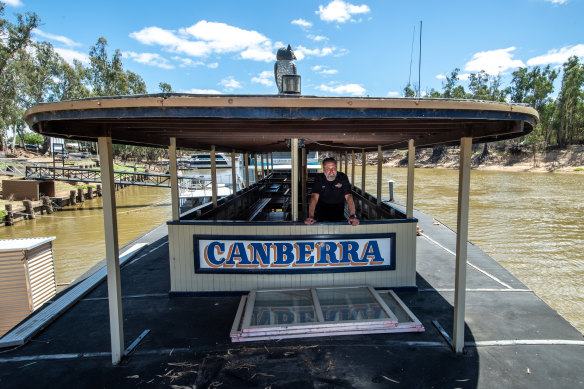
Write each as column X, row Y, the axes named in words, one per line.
column 331, row 201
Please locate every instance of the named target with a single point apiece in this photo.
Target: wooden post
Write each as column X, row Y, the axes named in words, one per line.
column 346, row 162
column 255, row 165
column 246, row 164
column 9, row 218
column 410, row 189
column 80, row 195
column 72, row 197
column 233, row 173
column 294, row 166
column 90, row 192
column 379, row 173
column 174, row 193
column 110, row 222
column 213, row 176
column 47, row 205
column 353, row 167
column 98, row 189
column 28, row 209
column 363, row 166
column 303, row 181
column 461, row 243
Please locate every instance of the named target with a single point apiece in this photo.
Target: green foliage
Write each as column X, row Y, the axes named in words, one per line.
column 165, row 87
column 32, row 138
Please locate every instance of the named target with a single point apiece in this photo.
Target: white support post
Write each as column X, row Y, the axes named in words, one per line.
column 353, row 167
column 233, row 174
column 174, row 200
column 246, row 164
column 272, row 162
column 110, row 222
column 461, row 243
column 263, row 169
column 379, row 173
column 410, row 189
column 294, row 161
column 213, row 177
column 363, row 166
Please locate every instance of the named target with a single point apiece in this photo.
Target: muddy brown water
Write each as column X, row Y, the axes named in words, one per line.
column 531, row 223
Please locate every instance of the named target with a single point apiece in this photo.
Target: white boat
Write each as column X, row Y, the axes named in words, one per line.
column 203, row 161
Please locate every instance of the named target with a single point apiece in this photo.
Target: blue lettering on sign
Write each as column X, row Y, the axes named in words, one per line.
column 261, row 252
column 210, row 254
column 284, row 254
column 312, row 255
column 371, row 253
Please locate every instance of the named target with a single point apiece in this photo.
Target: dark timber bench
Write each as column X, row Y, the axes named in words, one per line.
column 257, row 207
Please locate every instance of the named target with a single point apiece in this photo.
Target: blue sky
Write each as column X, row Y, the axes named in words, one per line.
column 344, row 48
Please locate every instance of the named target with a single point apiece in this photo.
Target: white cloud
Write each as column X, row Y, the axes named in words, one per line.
column 557, row 56
column 301, row 52
column 393, row 94
column 340, row 12
column 187, row 62
column 493, row 61
column 59, row 38
column 229, row 84
column 213, row 65
column 461, row 76
column 557, row 1
column 265, row 78
column 335, row 87
column 150, row 59
column 14, row 3
column 204, row 91
column 206, row 38
column 302, row 23
column 69, row 55
column 317, row 38
column 324, row 70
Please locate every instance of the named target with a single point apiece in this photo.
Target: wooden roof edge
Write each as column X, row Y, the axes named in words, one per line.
column 277, row 101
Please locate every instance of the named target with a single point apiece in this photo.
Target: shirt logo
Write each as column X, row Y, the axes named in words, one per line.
column 338, row 185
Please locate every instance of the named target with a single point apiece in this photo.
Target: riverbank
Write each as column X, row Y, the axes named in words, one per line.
column 568, row 160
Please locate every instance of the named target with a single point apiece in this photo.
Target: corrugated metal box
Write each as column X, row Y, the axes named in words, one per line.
column 27, row 278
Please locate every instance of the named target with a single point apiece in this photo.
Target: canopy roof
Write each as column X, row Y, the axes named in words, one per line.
column 263, row 123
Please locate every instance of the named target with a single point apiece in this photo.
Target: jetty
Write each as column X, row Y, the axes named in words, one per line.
column 171, row 312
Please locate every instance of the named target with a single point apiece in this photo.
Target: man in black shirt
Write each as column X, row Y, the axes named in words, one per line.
column 330, row 191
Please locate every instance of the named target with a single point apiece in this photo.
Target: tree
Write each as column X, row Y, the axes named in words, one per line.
column 107, row 77
column 570, row 103
column 409, row 92
column 14, row 37
column 165, row 88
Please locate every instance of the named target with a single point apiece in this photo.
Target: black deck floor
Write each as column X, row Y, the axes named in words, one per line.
column 510, row 337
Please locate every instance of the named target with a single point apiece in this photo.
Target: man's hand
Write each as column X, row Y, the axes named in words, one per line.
column 309, row 220
column 354, row 221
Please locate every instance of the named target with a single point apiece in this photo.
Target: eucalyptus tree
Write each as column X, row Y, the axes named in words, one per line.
column 570, row 125
column 14, row 37
column 165, row 87
column 534, row 87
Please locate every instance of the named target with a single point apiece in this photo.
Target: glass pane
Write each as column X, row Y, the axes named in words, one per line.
column 349, row 304
column 398, row 311
column 283, row 308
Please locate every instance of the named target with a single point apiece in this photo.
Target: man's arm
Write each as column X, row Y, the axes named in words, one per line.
column 353, row 220
column 311, row 207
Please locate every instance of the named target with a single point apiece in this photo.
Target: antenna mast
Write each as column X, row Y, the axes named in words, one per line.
column 420, row 62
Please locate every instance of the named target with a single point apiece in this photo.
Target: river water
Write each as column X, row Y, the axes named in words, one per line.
column 531, row 223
